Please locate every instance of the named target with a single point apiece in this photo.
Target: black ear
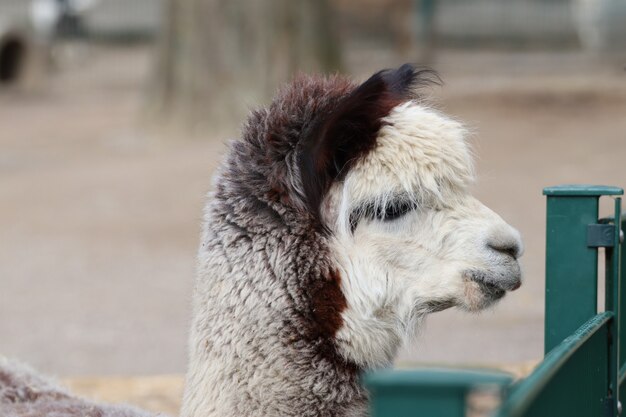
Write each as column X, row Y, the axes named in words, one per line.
column 337, row 140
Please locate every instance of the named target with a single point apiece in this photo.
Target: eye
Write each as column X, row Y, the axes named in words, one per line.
column 396, row 210
column 393, row 210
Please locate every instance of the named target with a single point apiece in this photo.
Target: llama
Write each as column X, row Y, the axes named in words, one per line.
column 337, row 223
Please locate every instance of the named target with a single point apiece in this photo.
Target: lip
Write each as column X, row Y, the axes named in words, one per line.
column 490, row 290
column 496, row 282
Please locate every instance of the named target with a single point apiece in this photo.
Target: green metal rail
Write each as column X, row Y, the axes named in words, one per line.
column 582, row 373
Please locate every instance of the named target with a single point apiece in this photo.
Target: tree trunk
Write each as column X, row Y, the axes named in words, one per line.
column 219, row 58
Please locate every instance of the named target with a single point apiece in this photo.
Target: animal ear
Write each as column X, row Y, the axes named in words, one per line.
column 338, row 139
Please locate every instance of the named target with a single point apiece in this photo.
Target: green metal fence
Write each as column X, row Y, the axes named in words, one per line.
column 582, row 373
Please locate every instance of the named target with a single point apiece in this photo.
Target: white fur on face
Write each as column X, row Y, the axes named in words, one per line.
column 448, row 249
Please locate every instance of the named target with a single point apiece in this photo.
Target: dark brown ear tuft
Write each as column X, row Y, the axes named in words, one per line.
column 408, row 78
column 337, row 140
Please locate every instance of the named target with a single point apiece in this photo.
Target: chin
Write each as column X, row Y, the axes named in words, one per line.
column 479, row 296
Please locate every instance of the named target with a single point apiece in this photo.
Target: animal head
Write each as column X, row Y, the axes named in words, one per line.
column 383, row 180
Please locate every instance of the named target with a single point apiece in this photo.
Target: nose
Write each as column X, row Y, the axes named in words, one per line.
column 506, row 248
column 506, row 241
column 503, row 245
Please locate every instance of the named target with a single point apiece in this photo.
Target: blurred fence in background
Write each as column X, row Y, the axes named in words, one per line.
column 502, row 23
column 101, row 18
column 552, row 23
column 412, row 29
column 506, row 22
column 460, row 23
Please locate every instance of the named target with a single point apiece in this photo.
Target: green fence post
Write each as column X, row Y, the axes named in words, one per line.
column 431, row 393
column 622, row 314
column 612, row 226
column 579, row 374
column 571, row 266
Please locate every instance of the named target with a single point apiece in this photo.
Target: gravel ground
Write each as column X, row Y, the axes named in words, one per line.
column 100, row 214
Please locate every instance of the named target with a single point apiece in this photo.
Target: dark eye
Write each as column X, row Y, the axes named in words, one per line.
column 391, row 211
column 396, row 210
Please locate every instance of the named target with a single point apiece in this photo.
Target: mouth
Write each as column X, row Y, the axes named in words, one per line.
column 498, row 281
column 483, row 289
column 491, row 291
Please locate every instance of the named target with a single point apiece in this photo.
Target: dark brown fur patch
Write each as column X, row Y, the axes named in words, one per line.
column 336, row 140
column 328, row 302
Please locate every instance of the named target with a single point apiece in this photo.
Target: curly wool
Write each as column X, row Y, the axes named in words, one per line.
column 25, row 393
column 266, row 301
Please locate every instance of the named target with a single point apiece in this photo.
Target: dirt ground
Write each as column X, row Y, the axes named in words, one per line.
column 100, row 213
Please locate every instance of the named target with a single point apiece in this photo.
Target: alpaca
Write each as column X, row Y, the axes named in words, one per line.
column 337, row 223
column 24, row 393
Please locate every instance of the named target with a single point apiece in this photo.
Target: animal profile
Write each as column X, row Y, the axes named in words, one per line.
column 338, row 221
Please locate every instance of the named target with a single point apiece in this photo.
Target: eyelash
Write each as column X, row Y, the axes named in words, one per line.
column 395, row 211
column 391, row 212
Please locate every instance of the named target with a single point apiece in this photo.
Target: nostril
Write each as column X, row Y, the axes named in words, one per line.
column 505, row 240
column 509, row 248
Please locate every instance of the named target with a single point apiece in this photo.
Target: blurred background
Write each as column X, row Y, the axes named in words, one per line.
column 114, row 113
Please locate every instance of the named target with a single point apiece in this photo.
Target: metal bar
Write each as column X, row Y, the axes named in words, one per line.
column 522, row 396
column 622, row 374
column 621, row 325
column 432, row 392
column 582, row 190
column 612, row 303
